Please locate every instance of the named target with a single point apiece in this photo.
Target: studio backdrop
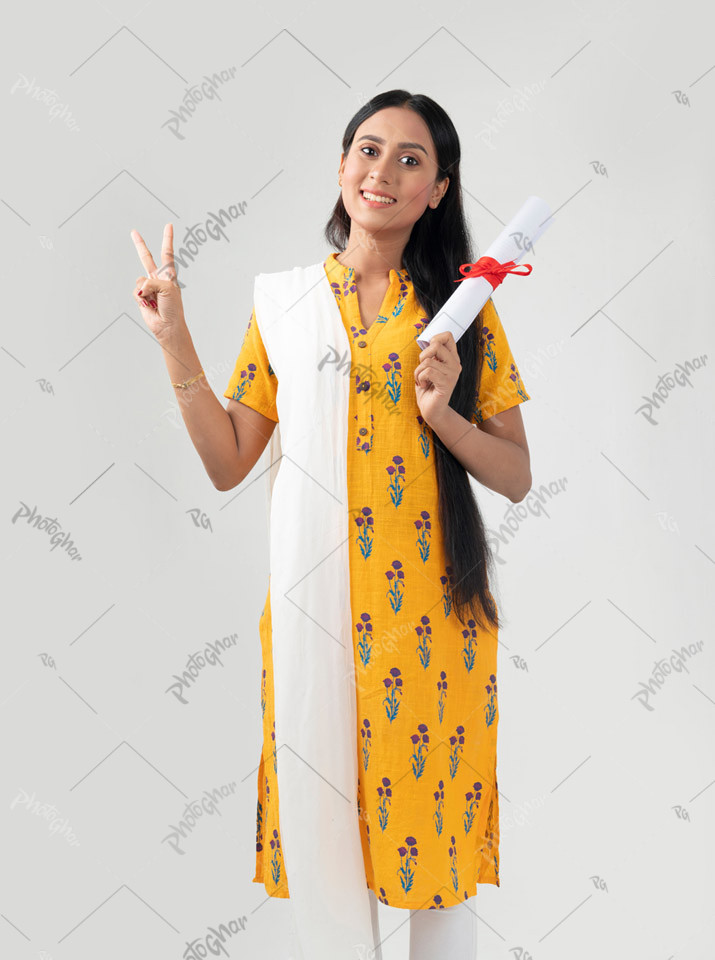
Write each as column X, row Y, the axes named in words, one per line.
column 131, row 685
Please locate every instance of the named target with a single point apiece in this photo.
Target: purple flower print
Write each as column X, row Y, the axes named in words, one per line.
column 364, row 631
column 397, row 475
column 361, row 386
column 424, row 648
column 421, row 741
column 456, row 743
column 442, row 687
column 490, row 710
column 365, row 523
column 276, row 858
column 363, row 441
column 514, row 375
column 394, row 380
column 472, row 799
column 393, row 685
column 438, row 904
column 487, row 345
column 259, row 825
column 401, row 302
column 366, row 734
column 343, row 289
column 396, row 579
column 245, row 381
column 439, row 800
column 469, row 652
column 383, row 808
column 408, row 856
column 447, row 582
column 453, row 870
column 263, row 695
column 425, row 436
column 383, row 896
column 275, row 752
column 424, row 530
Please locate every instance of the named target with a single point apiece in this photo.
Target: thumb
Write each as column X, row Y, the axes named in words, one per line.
column 145, row 291
column 147, row 287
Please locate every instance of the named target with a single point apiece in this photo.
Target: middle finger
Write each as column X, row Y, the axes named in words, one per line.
column 168, row 268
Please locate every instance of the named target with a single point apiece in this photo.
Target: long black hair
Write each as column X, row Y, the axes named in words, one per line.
column 439, row 243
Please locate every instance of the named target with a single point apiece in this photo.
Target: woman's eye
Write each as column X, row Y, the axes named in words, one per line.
column 416, row 161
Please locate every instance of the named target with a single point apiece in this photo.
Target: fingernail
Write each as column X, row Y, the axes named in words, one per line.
column 140, row 293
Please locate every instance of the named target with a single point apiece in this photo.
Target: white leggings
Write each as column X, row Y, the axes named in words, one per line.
column 434, row 934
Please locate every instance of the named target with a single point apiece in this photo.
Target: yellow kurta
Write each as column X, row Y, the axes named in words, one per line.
column 426, row 692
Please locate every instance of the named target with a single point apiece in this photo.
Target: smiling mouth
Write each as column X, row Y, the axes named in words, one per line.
column 381, row 198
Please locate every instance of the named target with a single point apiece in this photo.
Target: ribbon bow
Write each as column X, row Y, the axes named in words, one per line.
column 492, row 271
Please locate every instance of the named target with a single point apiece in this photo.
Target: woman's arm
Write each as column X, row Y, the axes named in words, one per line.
column 229, row 441
column 495, row 453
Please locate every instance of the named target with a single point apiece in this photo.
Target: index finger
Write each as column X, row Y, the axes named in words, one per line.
column 144, row 255
column 449, row 342
column 444, row 339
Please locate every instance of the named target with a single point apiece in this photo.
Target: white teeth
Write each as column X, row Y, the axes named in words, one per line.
column 371, row 196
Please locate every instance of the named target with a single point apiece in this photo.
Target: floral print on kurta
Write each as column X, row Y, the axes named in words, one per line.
column 426, row 685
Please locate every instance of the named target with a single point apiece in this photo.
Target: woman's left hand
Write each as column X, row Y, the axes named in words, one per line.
column 436, row 375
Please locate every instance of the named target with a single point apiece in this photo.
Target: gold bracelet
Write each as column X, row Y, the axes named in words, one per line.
column 187, row 382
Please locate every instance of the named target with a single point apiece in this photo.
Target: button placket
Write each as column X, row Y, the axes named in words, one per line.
column 364, row 397
column 361, row 349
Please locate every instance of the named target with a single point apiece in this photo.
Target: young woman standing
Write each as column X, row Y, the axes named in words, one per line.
column 425, row 623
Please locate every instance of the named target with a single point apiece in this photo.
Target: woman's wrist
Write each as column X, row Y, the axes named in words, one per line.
column 182, row 361
column 176, row 338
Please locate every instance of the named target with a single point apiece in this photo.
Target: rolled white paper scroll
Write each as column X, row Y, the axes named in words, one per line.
column 515, row 241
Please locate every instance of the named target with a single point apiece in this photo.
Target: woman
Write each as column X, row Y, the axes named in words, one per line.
column 425, row 623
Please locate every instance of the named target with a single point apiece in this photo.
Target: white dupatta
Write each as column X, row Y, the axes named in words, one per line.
column 313, row 666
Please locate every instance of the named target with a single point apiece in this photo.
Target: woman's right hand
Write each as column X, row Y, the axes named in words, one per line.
column 157, row 293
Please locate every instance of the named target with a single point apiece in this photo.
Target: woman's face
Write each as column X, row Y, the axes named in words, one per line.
column 392, row 153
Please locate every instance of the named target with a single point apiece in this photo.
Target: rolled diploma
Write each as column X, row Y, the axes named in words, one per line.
column 515, row 241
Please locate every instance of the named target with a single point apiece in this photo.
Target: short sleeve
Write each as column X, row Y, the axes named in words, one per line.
column 253, row 381
column 501, row 385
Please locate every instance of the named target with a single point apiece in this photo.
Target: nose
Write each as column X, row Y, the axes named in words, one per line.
column 378, row 175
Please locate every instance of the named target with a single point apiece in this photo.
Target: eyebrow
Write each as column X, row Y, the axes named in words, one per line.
column 413, row 146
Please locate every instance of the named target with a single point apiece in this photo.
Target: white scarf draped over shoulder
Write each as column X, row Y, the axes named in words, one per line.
column 313, row 665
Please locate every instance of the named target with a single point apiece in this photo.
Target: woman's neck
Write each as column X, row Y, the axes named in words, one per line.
column 371, row 266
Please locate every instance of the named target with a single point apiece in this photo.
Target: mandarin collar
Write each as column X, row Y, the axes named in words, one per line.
column 347, row 272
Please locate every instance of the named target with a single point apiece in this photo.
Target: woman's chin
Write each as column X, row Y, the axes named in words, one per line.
column 371, row 221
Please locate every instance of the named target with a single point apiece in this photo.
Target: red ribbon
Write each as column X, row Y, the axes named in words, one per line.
column 492, row 271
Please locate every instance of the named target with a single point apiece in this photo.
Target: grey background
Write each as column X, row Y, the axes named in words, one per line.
column 604, row 110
